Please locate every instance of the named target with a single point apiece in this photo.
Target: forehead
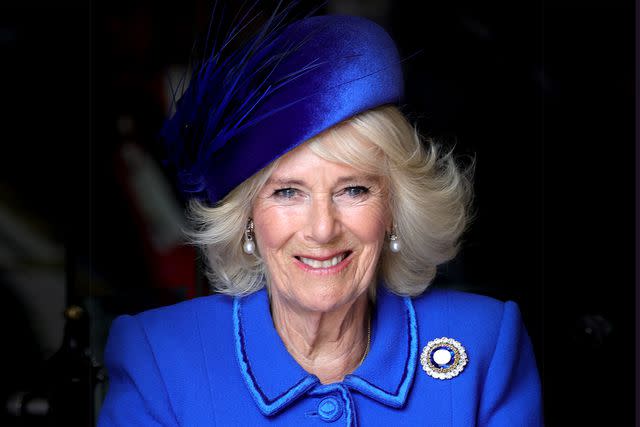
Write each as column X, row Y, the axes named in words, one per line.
column 306, row 168
column 340, row 150
column 303, row 160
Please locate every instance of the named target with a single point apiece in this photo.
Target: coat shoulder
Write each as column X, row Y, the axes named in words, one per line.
column 454, row 304
column 214, row 308
column 180, row 328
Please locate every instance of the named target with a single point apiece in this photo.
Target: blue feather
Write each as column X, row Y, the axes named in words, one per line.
column 224, row 89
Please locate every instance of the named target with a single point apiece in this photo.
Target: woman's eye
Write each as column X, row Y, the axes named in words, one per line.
column 285, row 193
column 356, row 191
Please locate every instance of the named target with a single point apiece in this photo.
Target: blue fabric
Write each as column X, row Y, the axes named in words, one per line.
column 305, row 78
column 219, row 361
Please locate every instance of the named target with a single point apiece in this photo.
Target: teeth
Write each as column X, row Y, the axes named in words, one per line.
column 314, row 263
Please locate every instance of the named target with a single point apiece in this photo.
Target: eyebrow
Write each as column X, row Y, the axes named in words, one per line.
column 285, row 182
column 342, row 180
column 356, row 178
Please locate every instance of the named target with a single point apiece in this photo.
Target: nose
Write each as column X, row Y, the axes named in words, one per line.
column 323, row 222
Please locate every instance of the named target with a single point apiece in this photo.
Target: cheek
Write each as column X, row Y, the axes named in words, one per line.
column 369, row 224
column 273, row 227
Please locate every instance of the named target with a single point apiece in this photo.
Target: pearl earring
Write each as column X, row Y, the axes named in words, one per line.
column 394, row 242
column 249, row 245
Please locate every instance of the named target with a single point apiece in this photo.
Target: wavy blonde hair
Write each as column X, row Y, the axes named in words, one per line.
column 429, row 200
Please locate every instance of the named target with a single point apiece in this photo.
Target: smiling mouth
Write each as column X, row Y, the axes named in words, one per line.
column 331, row 262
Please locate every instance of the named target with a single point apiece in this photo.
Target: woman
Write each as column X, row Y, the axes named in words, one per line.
column 323, row 218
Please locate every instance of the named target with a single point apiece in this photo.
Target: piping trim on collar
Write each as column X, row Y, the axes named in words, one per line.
column 397, row 398
column 267, row 406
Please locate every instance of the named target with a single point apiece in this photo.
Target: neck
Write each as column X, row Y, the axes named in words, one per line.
column 329, row 345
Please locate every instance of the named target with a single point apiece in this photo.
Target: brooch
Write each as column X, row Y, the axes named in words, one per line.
column 443, row 358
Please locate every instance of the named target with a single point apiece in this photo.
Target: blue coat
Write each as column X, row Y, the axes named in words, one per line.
column 219, row 361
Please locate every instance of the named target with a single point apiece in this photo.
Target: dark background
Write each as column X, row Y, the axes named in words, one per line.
column 541, row 93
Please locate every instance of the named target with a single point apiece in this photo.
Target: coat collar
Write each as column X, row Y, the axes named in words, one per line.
column 275, row 379
column 387, row 372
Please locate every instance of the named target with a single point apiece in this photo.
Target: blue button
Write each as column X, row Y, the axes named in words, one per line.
column 330, row 409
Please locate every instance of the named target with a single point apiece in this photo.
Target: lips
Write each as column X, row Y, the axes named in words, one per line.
column 324, row 263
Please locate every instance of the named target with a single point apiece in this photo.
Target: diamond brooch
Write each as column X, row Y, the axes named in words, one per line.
column 443, row 358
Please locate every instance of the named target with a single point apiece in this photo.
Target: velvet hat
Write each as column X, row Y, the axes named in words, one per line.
column 287, row 83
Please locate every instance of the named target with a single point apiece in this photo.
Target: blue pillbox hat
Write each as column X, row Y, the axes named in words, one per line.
column 285, row 85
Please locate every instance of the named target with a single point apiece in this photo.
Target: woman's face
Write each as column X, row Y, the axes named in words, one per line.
column 320, row 227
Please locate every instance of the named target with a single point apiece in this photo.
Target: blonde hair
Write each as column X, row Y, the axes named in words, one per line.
column 429, row 199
